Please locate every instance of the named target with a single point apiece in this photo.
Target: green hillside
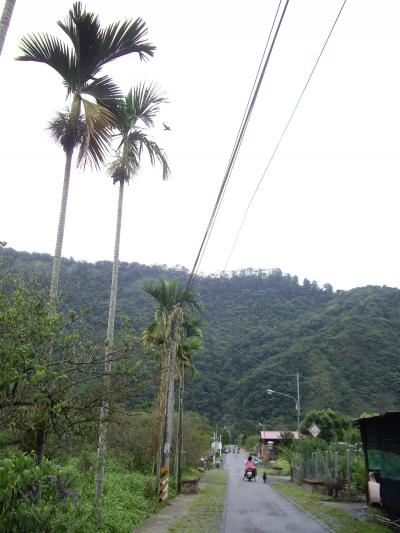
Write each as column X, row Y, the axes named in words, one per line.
column 259, row 329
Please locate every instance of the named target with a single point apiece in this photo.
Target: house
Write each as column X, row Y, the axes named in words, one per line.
column 269, row 441
column 380, row 437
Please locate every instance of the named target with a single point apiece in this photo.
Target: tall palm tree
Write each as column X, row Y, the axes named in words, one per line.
column 173, row 303
column 134, row 116
column 79, row 63
column 5, row 21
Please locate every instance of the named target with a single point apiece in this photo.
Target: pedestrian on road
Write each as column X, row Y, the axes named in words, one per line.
column 265, row 476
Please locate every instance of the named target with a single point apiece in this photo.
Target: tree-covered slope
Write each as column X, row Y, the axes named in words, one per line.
column 259, row 329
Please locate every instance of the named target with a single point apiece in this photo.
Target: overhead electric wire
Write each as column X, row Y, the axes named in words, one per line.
column 282, row 136
column 238, row 141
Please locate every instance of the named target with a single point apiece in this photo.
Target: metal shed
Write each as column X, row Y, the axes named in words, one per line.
column 381, row 442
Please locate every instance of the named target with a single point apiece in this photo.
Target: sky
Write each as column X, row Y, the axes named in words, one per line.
column 327, row 209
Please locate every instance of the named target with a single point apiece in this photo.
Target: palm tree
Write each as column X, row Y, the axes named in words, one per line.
column 190, row 342
column 133, row 114
column 5, row 21
column 79, row 63
column 173, row 303
column 154, row 335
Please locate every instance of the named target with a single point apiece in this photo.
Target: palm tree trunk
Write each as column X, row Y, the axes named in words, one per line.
column 158, row 434
column 101, row 451
column 179, row 442
column 5, row 21
column 170, row 396
column 60, row 231
column 176, row 460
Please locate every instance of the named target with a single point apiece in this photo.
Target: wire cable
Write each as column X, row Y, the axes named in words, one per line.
column 238, row 142
column 281, row 137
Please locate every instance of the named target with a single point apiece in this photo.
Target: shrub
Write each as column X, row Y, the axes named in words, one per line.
column 34, row 498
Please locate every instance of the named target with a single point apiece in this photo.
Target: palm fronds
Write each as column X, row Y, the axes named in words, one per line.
column 123, row 38
column 66, row 131
column 44, row 48
column 141, row 104
column 98, row 126
column 79, row 61
column 169, row 295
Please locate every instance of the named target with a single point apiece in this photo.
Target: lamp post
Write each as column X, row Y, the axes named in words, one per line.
column 296, row 400
column 262, row 439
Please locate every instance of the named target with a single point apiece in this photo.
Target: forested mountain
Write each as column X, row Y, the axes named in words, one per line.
column 259, row 329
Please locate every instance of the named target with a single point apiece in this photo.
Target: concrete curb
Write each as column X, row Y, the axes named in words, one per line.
column 224, row 514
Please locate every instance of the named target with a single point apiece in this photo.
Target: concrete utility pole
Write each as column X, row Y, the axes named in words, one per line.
column 298, row 404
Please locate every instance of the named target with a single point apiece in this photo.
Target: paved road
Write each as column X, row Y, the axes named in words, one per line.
column 254, row 507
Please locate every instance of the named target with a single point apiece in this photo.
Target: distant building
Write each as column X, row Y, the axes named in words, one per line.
column 269, row 441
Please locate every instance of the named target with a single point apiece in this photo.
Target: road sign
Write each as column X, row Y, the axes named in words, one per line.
column 314, row 430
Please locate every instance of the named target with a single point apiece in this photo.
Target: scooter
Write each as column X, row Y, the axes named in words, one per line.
column 249, row 475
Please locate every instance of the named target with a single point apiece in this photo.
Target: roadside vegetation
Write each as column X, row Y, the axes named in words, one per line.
column 51, row 379
column 337, row 520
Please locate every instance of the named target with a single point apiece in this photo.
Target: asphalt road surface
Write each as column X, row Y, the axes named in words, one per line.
column 254, row 507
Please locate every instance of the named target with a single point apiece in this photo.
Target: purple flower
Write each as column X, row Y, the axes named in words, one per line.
column 53, row 479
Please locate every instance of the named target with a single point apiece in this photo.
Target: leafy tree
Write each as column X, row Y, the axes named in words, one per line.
column 55, row 397
column 286, row 439
column 331, row 423
column 138, row 109
column 86, row 123
column 251, row 442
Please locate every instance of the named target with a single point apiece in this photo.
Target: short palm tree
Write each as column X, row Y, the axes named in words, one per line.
column 79, row 63
column 134, row 117
column 190, row 341
column 173, row 304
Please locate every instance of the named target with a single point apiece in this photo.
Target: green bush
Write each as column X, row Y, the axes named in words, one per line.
column 34, row 498
column 251, row 443
column 284, row 465
column 358, row 479
column 67, row 496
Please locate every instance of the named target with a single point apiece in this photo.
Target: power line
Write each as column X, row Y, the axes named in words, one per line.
column 282, row 136
column 239, row 139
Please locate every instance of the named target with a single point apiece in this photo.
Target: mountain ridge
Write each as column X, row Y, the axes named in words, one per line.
column 260, row 328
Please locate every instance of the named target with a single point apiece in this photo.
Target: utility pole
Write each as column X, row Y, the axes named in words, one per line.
column 298, row 404
column 214, row 446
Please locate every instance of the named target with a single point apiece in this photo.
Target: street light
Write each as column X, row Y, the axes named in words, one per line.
column 296, row 400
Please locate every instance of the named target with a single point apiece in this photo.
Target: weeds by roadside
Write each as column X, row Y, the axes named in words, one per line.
column 336, row 519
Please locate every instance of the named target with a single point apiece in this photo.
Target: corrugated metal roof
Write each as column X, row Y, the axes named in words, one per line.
column 275, row 435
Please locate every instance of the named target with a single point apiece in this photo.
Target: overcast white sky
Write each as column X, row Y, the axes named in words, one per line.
column 328, row 207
